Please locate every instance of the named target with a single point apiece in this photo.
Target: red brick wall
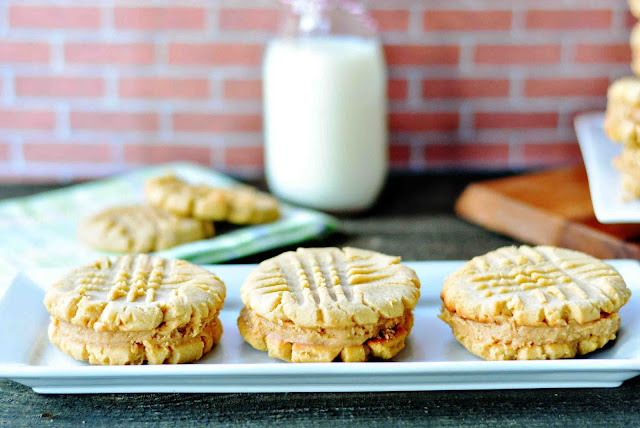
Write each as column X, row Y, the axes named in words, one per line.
column 88, row 88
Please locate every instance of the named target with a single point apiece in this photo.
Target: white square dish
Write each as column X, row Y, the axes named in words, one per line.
column 432, row 360
column 605, row 187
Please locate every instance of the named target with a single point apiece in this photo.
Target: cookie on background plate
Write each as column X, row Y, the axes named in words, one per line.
column 323, row 304
column 136, row 309
column 238, row 205
column 140, row 229
column 526, row 303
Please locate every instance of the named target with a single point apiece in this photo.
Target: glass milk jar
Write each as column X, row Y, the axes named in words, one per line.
column 325, row 124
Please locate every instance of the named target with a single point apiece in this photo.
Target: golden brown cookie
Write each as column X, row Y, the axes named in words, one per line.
column 628, row 163
column 136, row 309
column 533, row 303
column 319, row 304
column 634, row 6
column 622, row 120
column 239, row 204
column 140, row 229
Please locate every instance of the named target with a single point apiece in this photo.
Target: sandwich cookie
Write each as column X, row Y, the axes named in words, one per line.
column 136, row 309
column 526, row 303
column 326, row 304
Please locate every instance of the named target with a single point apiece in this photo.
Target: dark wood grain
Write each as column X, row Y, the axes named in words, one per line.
column 414, row 219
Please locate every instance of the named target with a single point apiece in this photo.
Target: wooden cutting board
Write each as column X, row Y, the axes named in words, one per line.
column 552, row 208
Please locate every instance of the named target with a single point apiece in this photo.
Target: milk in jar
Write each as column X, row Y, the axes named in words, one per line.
column 325, row 121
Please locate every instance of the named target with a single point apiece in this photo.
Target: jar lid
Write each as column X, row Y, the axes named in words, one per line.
column 311, row 10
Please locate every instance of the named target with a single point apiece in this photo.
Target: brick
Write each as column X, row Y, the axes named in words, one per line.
column 566, row 87
column 466, row 20
column 592, row 19
column 59, row 86
column 159, row 18
column 66, row 152
column 397, row 89
column 248, row 19
column 109, row 53
column 474, row 153
column 517, row 54
column 244, row 156
column 46, row 17
column 551, row 153
column 423, row 121
column 113, row 121
column 528, row 120
column 619, row 53
column 242, row 89
column 157, row 153
column 391, row 19
column 215, row 53
column 421, row 55
column 465, row 88
column 27, row 119
column 4, row 151
column 33, row 52
column 156, row 87
column 399, row 154
column 214, row 122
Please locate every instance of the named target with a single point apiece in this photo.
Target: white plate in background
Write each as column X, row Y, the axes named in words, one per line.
column 598, row 152
column 432, row 360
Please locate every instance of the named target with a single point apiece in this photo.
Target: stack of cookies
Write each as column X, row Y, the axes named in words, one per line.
column 326, row 304
column 178, row 213
column 531, row 303
column 622, row 125
column 136, row 309
column 622, row 121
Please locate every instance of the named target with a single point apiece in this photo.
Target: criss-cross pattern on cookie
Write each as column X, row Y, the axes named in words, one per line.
column 325, row 277
column 135, row 293
column 133, row 279
column 534, row 285
column 331, row 287
column 510, row 270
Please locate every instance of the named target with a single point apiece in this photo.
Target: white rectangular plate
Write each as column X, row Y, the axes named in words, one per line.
column 432, row 360
column 598, row 152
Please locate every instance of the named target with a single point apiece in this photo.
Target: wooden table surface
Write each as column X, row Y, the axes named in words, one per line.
column 414, row 219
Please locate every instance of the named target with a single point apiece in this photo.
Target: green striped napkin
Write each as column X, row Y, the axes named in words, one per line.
column 39, row 231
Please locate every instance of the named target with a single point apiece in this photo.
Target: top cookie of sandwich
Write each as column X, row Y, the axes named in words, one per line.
column 239, row 204
column 136, row 293
column 534, row 286
column 331, row 288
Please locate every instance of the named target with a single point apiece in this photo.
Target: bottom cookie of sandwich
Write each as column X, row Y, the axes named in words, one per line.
column 297, row 344
column 122, row 347
column 507, row 341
